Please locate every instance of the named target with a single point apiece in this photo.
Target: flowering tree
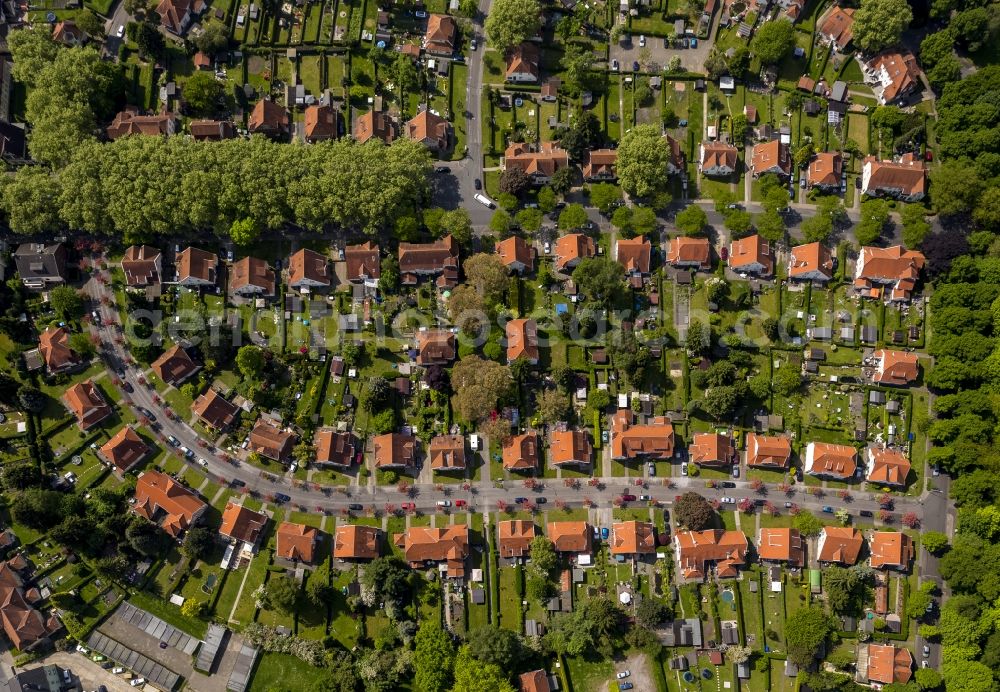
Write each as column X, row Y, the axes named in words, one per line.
column 771, row 509
column 794, row 510
column 885, row 501
column 594, row 482
column 390, row 508
column 403, row 487
column 746, row 505
column 530, row 483
column 560, row 504
column 501, row 506
column 715, row 503
column 885, row 516
column 844, row 495
column 911, row 520
column 758, row 485
column 587, row 502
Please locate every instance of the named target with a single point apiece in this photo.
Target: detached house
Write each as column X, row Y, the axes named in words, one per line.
column 211, row 130
column 297, row 542
column 440, row 36
column 569, row 448
column 521, row 453
column 395, row 451
column 53, row 345
column 840, row 544
column 363, row 262
column 440, row 259
column 886, row 466
column 243, row 525
column 825, row 171
column 164, row 501
column 522, row 340
column 675, row 164
column 447, row 453
column 571, row 536
column 837, row 28
column 893, row 75
column 250, row 277
column 196, row 267
column 23, row 624
column 891, row 550
column 354, row 542
column 894, row 268
column 781, row 545
column 271, row 442
column 751, row 255
column 538, row 164
column 811, row 262
column 84, row 400
column 321, row 123
column 435, row 347
column 653, row 440
column 690, row 252
column 905, row 179
column 176, row 15
column 68, row 33
column 599, row 165
column 712, row 449
column 514, row 537
column 522, row 64
column 633, row 538
column 838, row 462
column 697, row 551
column 571, row 249
column 374, row 124
column 268, row 118
column 174, row 366
column 771, row 157
column 215, row 411
column 335, row 449
column 516, row 254
column 768, row 452
column 143, row 267
column 41, row 266
column 129, row 122
column 634, row 255
column 895, row 367
column 717, row 159
column 430, row 129
column 307, row 270
column 889, row 665
column 125, row 449
column 423, row 545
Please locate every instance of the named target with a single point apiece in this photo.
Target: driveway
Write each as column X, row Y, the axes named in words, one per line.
column 90, row 675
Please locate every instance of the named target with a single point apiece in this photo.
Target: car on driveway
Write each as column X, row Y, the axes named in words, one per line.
column 441, row 169
column 635, row 65
column 121, row 31
column 729, row 500
column 614, row 65
column 624, row 685
column 146, row 412
column 174, row 442
column 628, row 497
column 684, row 468
column 605, row 533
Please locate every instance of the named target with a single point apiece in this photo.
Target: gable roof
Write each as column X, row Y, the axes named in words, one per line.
column 896, row 367
column 749, row 251
column 129, row 122
column 839, row 26
column 447, row 452
column 888, row 664
column 440, row 35
column 768, row 451
column 174, row 365
column 374, row 124
column 395, row 449
column 141, row 266
column 890, row 549
column 887, row 466
column 784, row 545
column 718, row 155
column 653, row 439
column 515, row 537
column 53, row 344
column 770, row 155
column 632, row 538
column 242, row 524
column 441, row 255
column 267, row 116
column 308, row 265
column 535, row 681
column 172, row 13
column 570, row 536
column 422, row 544
column 334, row 447
column 901, row 70
column 522, row 340
column 569, row 447
column 634, row 254
column 696, row 549
column 810, row 258
column 156, row 491
column 824, row 458
column 435, row 346
column 125, row 449
column 84, row 400
column 270, row 441
column 683, row 249
column 523, row 59
column 355, row 542
column 599, row 162
column 428, row 126
column 195, row 263
column 211, row 129
column 521, row 452
column 252, row 271
column 711, row 449
column 215, row 409
column 22, row 623
column 825, row 169
column 40, row 261
column 572, row 247
column 297, row 542
column 516, row 249
column 363, row 261
column 543, row 161
column 320, row 122
column 839, row 544
column 892, row 265
column 908, row 175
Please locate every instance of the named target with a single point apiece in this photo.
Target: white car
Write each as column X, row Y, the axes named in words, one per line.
column 624, row 674
column 121, row 31
column 118, row 671
column 642, row 41
column 82, row 649
column 444, row 503
column 137, row 682
column 729, row 501
column 548, row 247
column 203, row 462
column 684, row 468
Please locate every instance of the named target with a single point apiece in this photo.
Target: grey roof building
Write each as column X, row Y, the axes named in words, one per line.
column 41, row 265
column 680, row 633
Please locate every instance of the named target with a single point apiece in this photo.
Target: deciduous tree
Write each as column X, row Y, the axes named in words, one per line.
column 511, row 22
column 643, row 155
column 773, row 41
column 879, row 24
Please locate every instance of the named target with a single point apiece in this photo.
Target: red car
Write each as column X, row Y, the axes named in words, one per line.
column 628, row 498
column 408, row 506
column 460, row 503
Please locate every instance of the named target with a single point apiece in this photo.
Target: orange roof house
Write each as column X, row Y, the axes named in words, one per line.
column 196, row 267
column 905, row 179
column 435, row 347
column 838, row 27
column 440, row 36
column 142, row 266
column 211, row 130
column 363, row 262
column 84, row 401
column 22, row 623
column 771, row 157
column 422, row 545
column 125, row 449
column 353, row 542
column 522, row 340
column 825, row 170
column 894, row 267
column 711, row 449
column 268, row 118
column 430, row 129
column 521, row 453
column 781, row 545
column 651, row 440
column 447, row 453
column 271, row 442
column 68, row 32
column 886, row 466
column 810, row 262
column 515, row 537
column 571, row 249
column 569, row 447
column 129, row 122
column 440, row 258
column 634, row 255
column 297, row 542
column 633, row 538
column 891, row 550
column 374, row 125
column 176, row 15
column 696, row 551
column 751, row 254
column 599, row 164
column 892, row 74
column 321, row 122
column 840, row 544
column 242, row 524
column 831, row 460
column 717, row 159
column 516, row 254
column 335, row 448
column 888, row 665
column 395, row 450
column 689, row 252
column 522, row 63
column 538, row 163
column 174, row 366
column 768, row 451
column 570, row 536
column 215, row 410
column 53, row 344
column 161, row 499
column 535, row 681
column 895, row 367
column 675, row 164
column 308, row 269
column 251, row 276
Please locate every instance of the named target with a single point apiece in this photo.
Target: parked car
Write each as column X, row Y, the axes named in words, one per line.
column 605, row 533
column 460, row 503
column 146, row 412
column 137, row 682
column 827, row 509
column 727, row 484
column 625, row 673
column 684, row 468
column 281, row 497
column 729, row 500
column 441, row 169
column 866, row 513
column 478, row 184
column 644, row 498
column 237, row 483
column 203, row 461
column 541, row 500
column 628, row 497
column 444, row 503
column 642, row 41
column 927, row 651
column 174, row 442
column 121, row 31
column 624, row 685
column 520, row 500
column 118, row 671
column 635, row 65
column 82, row 649
column 420, row 14
column 789, row 505
column 736, row 472
column 355, row 507
column 473, row 45
column 802, row 183
column 614, row 65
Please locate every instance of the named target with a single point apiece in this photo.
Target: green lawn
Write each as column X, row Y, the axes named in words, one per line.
column 169, row 613
column 281, row 671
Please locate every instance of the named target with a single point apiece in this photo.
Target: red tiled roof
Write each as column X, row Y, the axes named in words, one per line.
column 53, row 344
column 447, row 452
column 628, row 440
column 157, row 492
column 570, row 536
column 634, row 254
column 896, row 367
column 825, row 459
column 522, row 340
column 125, row 449
column 684, row 250
column 268, row 116
column 337, row 448
column 840, row 544
column 768, row 451
column 888, row 665
column 353, row 542
column 242, row 524
column 174, row 365
column 891, row 549
column 785, row 545
column 633, row 538
column 363, row 261
column 886, row 466
column 711, row 449
column 422, row 544
column 141, row 265
column 569, row 447
column 521, row 453
column 395, row 449
column 85, row 401
column 270, row 441
column 515, row 537
column 697, row 549
column 297, row 542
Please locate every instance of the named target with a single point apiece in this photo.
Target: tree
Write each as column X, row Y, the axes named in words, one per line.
column 845, row 590
column 146, row 537
column 546, row 199
column 806, row 630
column 115, row 567
column 816, row 228
column 198, row 542
column 879, row 24
column 488, row 275
column 973, row 27
column 90, row 24
column 643, row 156
column 622, row 220
column 511, row 22
column 30, row 200
column 563, row 179
column 576, row 63
column 458, row 224
column 873, row 218
column 693, row 512
column 529, row 219
column 605, row 197
column 553, row 406
column 480, row 386
column 770, row 225
column 928, row 678
column 691, row 220
column 957, row 187
column 149, row 39
column 21, row 476
column 433, row 658
column 387, row 578
column 651, row 612
column 282, row 593
column 513, row 180
column 934, row 542
column 202, row 93
column 543, row 554
column 807, row 524
column 787, row 379
column 573, row 217
column 472, row 675
column 213, row 39
column 31, row 400
column 136, row 7
column 773, row 41
column 919, row 600
column 643, row 220
column 739, row 222
column 497, row 646
column 67, row 302
column 600, row 279
column 967, row 676
column 250, row 361
column 936, row 47
column 192, row 608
